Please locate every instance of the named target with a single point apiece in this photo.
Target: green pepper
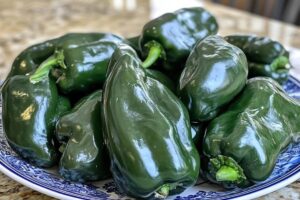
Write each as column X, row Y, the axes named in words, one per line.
column 28, row 114
column 84, row 156
column 63, row 106
column 155, row 74
column 30, row 58
column 244, row 142
column 134, row 43
column 171, row 37
column 161, row 77
column 151, row 125
column 215, row 73
column 83, row 60
column 265, row 56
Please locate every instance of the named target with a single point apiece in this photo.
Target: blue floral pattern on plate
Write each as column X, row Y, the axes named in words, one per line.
column 288, row 165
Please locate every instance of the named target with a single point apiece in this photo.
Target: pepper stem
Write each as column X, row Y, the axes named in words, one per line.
column 62, row 148
column 163, row 192
column 226, row 169
column 226, row 173
column 57, row 59
column 155, row 51
column 281, row 62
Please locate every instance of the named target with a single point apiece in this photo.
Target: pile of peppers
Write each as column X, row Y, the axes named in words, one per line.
column 156, row 111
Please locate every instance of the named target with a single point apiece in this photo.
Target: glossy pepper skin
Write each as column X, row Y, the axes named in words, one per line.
column 155, row 74
column 63, row 106
column 29, row 59
column 215, row 73
column 29, row 113
column 171, row 37
column 134, row 43
column 161, row 77
column 244, row 142
column 83, row 61
column 152, row 125
column 265, row 56
column 84, row 156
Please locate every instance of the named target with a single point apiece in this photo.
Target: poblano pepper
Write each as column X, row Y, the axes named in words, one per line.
column 155, row 74
column 170, row 37
column 161, row 77
column 145, row 119
column 29, row 115
column 265, row 56
column 215, row 73
column 134, row 43
column 29, row 59
column 84, row 156
column 244, row 142
column 83, row 63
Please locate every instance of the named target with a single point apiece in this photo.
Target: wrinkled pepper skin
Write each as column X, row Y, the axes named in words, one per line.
column 29, row 113
column 265, row 56
column 152, row 125
column 174, row 35
column 215, row 73
column 84, row 156
column 244, row 142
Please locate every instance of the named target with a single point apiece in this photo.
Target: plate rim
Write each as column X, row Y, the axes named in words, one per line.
column 279, row 182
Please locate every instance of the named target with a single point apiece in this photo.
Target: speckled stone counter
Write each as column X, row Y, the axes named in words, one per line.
column 27, row 22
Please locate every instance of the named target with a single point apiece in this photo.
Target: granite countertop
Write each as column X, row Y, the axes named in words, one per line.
column 24, row 23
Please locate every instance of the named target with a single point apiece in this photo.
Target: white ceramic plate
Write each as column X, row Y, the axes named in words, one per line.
column 287, row 170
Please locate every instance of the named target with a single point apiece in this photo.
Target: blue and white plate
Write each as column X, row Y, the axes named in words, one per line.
column 287, row 170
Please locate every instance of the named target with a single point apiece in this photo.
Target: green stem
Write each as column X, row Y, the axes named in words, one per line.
column 281, row 62
column 226, row 169
column 226, row 173
column 57, row 59
column 155, row 51
column 163, row 191
column 62, row 148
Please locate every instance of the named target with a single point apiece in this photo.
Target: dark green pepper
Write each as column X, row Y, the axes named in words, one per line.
column 215, row 73
column 244, row 142
column 161, row 77
column 265, row 56
column 134, row 43
column 171, row 36
column 83, row 65
column 63, row 106
column 152, row 126
column 29, row 113
column 29, row 59
column 84, row 156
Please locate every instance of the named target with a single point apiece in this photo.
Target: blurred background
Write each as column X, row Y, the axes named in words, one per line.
column 27, row 22
column 284, row 10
